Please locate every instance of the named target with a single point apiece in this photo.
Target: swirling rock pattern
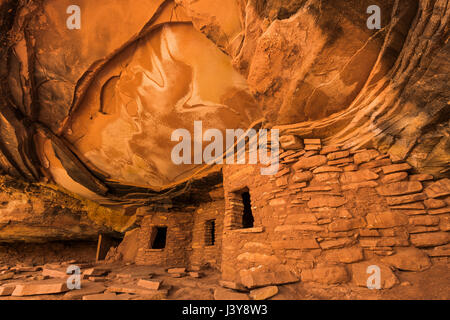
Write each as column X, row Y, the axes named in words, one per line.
column 92, row 110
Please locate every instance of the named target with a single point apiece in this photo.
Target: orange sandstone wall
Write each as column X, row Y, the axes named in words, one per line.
column 329, row 213
column 203, row 254
column 179, row 235
column 186, row 237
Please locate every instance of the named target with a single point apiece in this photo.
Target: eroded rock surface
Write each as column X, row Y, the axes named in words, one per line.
column 92, row 110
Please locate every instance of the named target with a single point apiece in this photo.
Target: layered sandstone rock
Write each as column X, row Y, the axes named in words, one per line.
column 92, row 110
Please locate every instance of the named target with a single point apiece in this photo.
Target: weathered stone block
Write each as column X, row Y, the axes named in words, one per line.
column 358, row 176
column 323, row 169
column 329, row 149
column 226, row 294
column 344, row 255
column 410, row 206
column 31, row 289
column 258, row 258
column 263, row 293
column 319, row 201
column 430, row 239
column 439, row 188
column 338, row 155
column 326, row 274
column 306, row 243
column 385, row 220
column 346, row 224
column 359, row 185
column 395, row 168
column 400, row 188
column 310, row 147
column 101, row 296
column 360, row 275
column 301, row 218
column 176, row 270
column 307, row 163
column 439, row 211
column 262, row 276
column 291, row 142
column 409, row 259
column 6, row 290
column 337, row 243
column 421, row 177
column 54, row 273
column 434, row 203
column 392, row 201
column 394, row 177
column 302, row 176
column 312, row 141
column 375, row 164
column 149, row 284
column 365, row 156
column 424, row 221
column 232, row 285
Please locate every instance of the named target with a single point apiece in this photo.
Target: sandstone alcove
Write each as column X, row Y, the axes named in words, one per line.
column 87, row 115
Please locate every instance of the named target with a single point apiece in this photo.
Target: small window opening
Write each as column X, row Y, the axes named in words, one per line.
column 247, row 217
column 210, row 232
column 158, row 238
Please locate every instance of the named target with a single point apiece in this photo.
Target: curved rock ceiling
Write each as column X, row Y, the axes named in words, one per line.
column 93, row 109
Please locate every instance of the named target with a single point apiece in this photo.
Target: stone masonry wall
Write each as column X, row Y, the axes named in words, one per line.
column 179, row 236
column 202, row 253
column 329, row 213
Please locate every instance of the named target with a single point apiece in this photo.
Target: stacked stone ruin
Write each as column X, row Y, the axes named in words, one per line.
column 327, row 215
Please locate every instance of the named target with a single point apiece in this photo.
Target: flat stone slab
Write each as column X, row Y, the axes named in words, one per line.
column 302, row 176
column 394, row 177
column 7, row 290
column 97, row 279
column 365, row 156
column 31, row 289
column 334, row 274
column 307, row 163
column 195, row 274
column 101, row 296
column 87, row 288
column 226, row 294
column 385, row 220
column 323, row 169
column 95, row 272
column 409, row 259
column 358, row 176
column 263, row 293
column 55, row 273
column 395, row 168
column 290, row 142
column 176, row 270
column 392, row 201
column 400, row 188
column 149, row 284
column 439, row 188
column 319, row 201
column 232, row 285
column 7, row 276
column 312, row 141
column 360, row 276
column 157, row 294
column 430, row 239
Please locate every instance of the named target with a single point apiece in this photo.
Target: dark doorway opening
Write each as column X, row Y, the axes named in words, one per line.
column 210, row 232
column 247, row 217
column 158, row 238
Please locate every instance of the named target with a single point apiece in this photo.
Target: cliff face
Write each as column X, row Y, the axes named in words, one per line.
column 92, row 110
column 317, row 69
